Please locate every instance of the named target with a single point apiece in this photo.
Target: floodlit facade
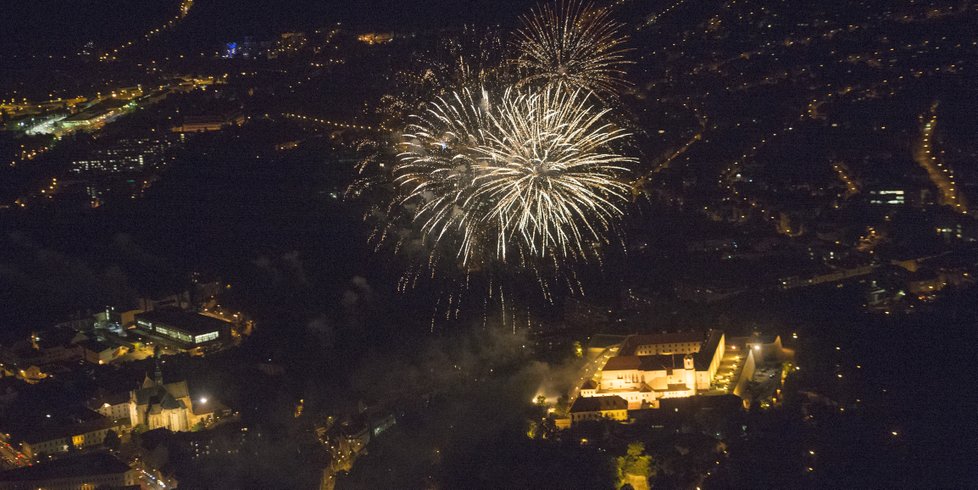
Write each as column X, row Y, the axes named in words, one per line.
column 651, row 367
column 185, row 330
column 156, row 405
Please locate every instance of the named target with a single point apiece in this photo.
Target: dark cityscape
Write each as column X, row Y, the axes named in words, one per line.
column 517, row 244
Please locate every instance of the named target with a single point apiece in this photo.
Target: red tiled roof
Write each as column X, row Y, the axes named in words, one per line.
column 633, row 341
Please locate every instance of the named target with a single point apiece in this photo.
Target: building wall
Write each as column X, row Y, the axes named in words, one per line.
column 703, row 380
column 667, row 348
column 746, row 374
column 627, row 383
column 176, row 420
column 127, row 318
column 59, row 444
column 117, row 411
column 33, row 450
column 717, row 358
column 632, row 379
column 678, row 393
column 622, row 379
column 638, row 399
column 619, row 415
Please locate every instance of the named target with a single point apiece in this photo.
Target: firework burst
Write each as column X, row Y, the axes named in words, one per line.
column 531, row 175
column 435, row 173
column 574, row 44
column 505, row 170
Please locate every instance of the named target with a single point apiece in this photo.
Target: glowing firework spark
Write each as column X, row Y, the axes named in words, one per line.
column 551, row 174
column 509, row 172
column 435, row 169
column 531, row 176
column 575, row 44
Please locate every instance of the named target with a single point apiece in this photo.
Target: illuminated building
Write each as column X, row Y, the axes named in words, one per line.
column 88, row 471
column 156, row 405
column 98, row 352
column 60, row 434
column 159, row 405
column 203, row 124
column 372, row 38
column 115, row 406
column 128, row 155
column 651, row 367
column 610, row 407
column 96, row 115
column 180, row 329
column 887, row 197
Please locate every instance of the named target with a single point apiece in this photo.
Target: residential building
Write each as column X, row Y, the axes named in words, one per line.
column 79, row 431
column 610, row 407
column 84, row 472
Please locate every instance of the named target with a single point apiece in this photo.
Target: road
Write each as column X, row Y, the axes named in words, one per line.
column 592, row 368
column 12, row 458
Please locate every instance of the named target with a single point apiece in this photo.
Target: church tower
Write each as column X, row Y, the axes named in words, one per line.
column 158, row 374
column 689, row 372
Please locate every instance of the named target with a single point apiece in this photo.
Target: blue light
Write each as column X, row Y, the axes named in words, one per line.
column 231, row 50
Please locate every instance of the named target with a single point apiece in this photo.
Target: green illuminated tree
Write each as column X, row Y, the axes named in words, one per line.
column 634, row 463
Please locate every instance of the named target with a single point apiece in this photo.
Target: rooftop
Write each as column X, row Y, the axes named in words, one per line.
column 633, row 341
column 113, row 398
column 702, row 359
column 192, row 323
column 599, row 403
column 644, row 363
column 92, row 464
column 59, row 427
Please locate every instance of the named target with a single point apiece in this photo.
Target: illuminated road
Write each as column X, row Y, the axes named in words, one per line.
column 11, row 457
column 845, row 176
column 592, row 368
column 940, row 175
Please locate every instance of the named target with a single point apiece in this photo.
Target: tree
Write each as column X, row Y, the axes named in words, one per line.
column 635, row 462
column 578, row 349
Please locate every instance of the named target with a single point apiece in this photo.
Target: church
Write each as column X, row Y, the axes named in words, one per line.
column 159, row 405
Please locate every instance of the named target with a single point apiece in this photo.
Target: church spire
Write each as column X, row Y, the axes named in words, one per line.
column 158, row 375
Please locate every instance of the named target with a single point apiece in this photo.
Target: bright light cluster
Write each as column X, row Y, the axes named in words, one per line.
column 511, row 165
column 527, row 174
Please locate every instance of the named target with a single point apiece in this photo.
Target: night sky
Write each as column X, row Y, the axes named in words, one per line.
column 806, row 170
